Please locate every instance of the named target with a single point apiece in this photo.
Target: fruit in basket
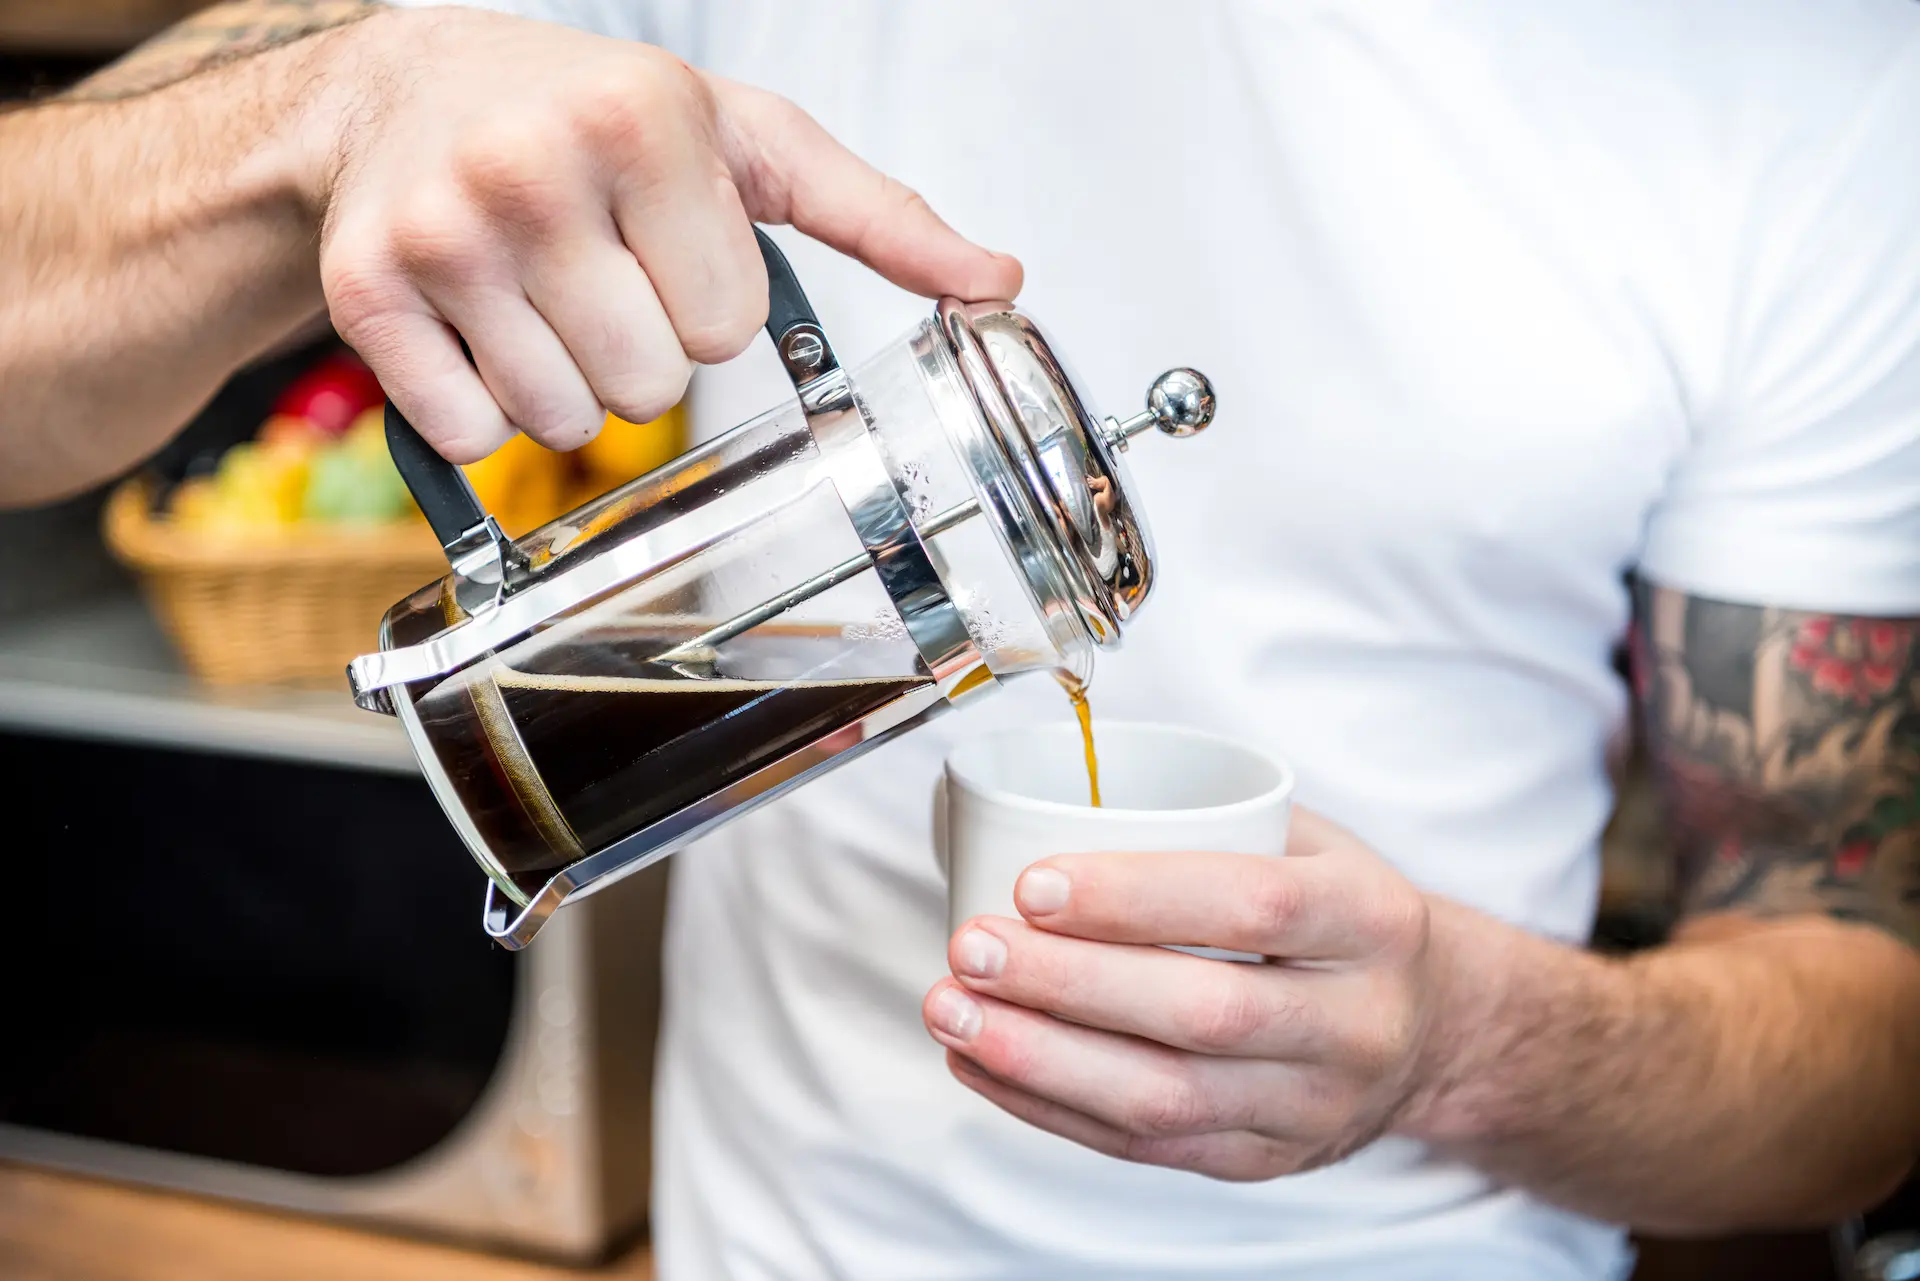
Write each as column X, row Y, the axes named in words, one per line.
column 264, row 482
column 295, row 473
column 285, row 428
column 195, row 504
column 256, row 486
column 522, row 483
column 369, row 431
column 331, row 395
column 354, row 482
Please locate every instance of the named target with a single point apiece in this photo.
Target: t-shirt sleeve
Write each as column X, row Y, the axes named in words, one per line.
column 1801, row 486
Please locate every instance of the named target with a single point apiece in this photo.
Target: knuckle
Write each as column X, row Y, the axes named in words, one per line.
column 1375, row 1052
column 469, row 443
column 620, row 110
column 1405, row 1027
column 1171, row 1106
column 560, row 422
column 896, row 205
column 776, row 119
column 1229, row 1020
column 724, row 334
column 647, row 393
column 1272, row 901
column 1299, row 1020
column 767, row 186
column 459, row 430
column 1381, row 1046
column 612, row 116
column 540, row 401
column 912, row 202
column 1318, row 1103
column 431, row 239
column 363, row 298
column 513, row 173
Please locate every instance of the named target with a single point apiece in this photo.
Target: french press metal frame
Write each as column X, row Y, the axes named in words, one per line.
column 505, row 600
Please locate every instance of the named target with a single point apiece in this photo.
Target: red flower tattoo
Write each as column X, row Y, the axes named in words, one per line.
column 1858, row 660
column 1851, row 859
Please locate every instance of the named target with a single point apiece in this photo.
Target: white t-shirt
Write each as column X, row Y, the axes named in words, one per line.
column 1501, row 299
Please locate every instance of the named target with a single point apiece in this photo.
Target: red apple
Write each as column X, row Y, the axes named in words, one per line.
column 331, row 394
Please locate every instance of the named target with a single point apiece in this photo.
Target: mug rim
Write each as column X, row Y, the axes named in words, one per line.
column 956, row 773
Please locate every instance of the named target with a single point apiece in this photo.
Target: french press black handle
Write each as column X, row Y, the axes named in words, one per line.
column 446, row 497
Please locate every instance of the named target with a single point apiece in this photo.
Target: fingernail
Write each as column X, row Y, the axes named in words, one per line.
column 956, row 1014
column 982, row 956
column 1042, row 890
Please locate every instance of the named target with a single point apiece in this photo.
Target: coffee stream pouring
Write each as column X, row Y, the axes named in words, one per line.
column 588, row 698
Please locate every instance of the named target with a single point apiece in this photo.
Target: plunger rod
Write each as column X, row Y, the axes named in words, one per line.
column 852, row 567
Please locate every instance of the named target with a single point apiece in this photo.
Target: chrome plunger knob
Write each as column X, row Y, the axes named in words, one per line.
column 1180, row 403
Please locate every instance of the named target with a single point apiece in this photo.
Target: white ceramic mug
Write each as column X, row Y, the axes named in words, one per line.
column 1017, row 796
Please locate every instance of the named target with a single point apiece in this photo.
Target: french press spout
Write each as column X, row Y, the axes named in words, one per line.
column 904, row 535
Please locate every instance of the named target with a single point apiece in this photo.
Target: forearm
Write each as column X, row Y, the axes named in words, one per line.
column 1754, row 1073
column 161, row 225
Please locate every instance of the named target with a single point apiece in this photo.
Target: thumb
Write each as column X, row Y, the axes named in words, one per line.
column 790, row 170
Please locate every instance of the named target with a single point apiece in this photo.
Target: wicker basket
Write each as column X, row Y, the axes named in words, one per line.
column 283, row 606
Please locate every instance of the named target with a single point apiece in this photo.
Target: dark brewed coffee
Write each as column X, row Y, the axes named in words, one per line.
column 555, row 764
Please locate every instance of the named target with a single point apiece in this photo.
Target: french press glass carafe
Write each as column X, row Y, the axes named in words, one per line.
column 588, row 698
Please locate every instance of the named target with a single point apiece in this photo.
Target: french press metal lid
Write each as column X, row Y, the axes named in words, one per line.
column 959, row 480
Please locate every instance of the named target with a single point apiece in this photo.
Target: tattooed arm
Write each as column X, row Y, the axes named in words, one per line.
column 1762, row 1068
column 576, row 208
column 213, row 37
column 1787, row 747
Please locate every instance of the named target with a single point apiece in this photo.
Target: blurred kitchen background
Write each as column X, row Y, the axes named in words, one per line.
column 246, row 962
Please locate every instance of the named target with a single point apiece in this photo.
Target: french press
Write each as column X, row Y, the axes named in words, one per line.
column 591, row 697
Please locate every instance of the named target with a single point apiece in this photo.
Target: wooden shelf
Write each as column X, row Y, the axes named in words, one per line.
column 57, row 1228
